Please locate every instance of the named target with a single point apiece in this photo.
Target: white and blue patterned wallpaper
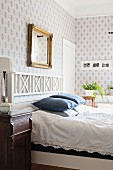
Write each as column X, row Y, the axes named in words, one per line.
column 15, row 15
column 93, row 43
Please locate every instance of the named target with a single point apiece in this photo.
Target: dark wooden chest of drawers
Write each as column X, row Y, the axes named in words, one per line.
column 15, row 141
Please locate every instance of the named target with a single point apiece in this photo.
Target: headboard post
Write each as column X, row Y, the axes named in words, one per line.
column 10, row 87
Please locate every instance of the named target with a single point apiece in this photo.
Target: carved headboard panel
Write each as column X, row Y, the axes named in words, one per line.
column 24, row 87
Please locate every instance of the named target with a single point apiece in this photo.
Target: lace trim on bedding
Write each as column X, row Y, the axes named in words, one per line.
column 76, row 149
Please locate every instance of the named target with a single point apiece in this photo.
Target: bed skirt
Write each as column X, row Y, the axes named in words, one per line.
column 50, row 149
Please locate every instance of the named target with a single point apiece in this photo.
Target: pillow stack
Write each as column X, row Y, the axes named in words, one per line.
column 60, row 102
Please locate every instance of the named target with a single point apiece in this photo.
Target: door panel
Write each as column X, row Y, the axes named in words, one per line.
column 68, row 67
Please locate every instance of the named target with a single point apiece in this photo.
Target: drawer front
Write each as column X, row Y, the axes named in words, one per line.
column 21, row 126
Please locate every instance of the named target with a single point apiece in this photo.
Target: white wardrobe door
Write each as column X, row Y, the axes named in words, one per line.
column 68, row 67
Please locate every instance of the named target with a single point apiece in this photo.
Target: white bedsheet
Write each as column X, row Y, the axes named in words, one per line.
column 91, row 130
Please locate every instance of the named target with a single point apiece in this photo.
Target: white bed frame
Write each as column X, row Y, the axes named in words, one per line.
column 24, row 88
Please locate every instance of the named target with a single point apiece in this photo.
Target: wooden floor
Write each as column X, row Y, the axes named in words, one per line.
column 46, row 167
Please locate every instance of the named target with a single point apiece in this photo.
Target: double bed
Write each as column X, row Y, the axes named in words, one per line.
column 82, row 140
column 90, row 130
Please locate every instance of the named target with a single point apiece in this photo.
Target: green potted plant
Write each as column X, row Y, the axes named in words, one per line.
column 91, row 89
column 110, row 89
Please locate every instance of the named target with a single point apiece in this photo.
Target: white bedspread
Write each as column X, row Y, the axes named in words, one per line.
column 91, row 130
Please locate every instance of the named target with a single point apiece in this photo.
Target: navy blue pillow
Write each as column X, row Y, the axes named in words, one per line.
column 77, row 99
column 55, row 104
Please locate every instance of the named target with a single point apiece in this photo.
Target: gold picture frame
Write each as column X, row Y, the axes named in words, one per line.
column 39, row 52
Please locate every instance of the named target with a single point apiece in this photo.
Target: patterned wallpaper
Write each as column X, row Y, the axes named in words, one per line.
column 93, row 43
column 15, row 15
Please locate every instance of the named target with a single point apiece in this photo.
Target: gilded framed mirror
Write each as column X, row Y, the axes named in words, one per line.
column 39, row 47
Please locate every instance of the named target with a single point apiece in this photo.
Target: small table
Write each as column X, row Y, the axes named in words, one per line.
column 92, row 98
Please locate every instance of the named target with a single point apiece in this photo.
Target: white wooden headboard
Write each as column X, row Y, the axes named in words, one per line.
column 24, row 87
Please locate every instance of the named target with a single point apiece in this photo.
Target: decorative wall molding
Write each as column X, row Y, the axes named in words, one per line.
column 86, row 9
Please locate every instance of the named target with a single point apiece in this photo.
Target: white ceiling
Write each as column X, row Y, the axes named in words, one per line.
column 83, row 8
column 89, row 2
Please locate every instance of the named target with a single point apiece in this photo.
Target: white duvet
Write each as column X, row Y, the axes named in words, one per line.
column 91, row 130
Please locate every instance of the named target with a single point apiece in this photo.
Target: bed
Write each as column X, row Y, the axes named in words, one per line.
column 90, row 130
column 25, row 88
